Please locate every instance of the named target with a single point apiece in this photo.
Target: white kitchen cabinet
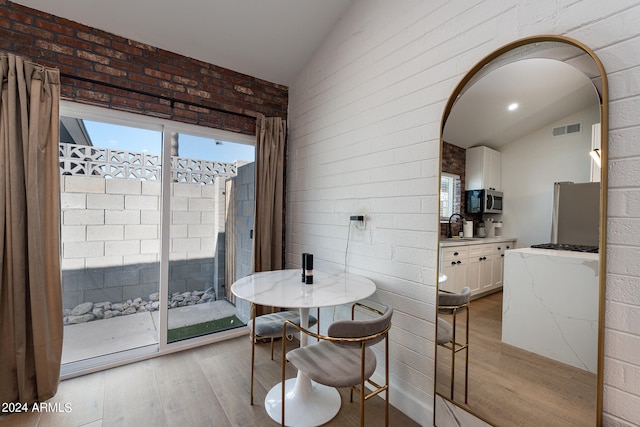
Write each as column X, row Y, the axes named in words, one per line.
column 483, row 168
column 475, row 264
column 454, row 266
column 480, row 268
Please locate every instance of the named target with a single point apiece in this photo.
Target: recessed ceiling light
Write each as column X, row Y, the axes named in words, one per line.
column 513, row 106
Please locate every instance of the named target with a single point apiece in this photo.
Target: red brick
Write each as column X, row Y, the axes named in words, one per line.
column 144, row 79
column 91, row 95
column 54, row 47
column 93, row 38
column 83, row 54
column 110, row 70
column 126, row 48
column 157, row 74
column 54, row 27
column 112, row 53
column 75, row 43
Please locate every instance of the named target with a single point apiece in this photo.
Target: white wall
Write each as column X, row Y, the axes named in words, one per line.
column 532, row 164
column 364, row 136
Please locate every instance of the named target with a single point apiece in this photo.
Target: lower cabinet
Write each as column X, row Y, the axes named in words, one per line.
column 454, row 266
column 478, row 266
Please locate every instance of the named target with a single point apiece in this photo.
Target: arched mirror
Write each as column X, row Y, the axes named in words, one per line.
column 522, row 238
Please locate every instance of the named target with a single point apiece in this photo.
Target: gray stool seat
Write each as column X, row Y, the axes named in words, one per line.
column 270, row 325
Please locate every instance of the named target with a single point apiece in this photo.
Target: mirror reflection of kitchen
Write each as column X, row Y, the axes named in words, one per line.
column 520, row 200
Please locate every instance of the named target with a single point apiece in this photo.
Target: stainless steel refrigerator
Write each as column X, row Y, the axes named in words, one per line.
column 576, row 213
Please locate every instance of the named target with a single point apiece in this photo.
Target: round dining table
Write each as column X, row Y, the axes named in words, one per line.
column 307, row 403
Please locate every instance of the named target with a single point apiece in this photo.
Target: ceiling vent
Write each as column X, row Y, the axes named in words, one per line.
column 567, row 130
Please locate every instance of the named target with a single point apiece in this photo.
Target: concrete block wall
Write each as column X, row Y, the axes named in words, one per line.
column 111, row 238
column 365, row 118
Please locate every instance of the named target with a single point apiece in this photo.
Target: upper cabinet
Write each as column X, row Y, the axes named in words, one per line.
column 483, row 169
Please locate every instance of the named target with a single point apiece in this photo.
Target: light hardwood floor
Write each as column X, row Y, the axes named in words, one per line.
column 513, row 387
column 207, row 386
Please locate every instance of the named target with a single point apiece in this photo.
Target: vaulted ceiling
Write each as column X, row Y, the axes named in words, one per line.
column 268, row 39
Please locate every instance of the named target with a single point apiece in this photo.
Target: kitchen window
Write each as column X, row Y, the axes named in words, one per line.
column 450, row 195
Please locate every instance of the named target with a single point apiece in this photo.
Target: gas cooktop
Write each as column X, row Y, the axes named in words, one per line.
column 567, row 247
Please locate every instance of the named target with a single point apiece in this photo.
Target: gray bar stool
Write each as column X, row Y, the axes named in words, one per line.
column 454, row 304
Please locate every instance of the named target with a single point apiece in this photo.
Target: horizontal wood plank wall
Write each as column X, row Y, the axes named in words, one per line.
column 364, row 135
column 89, row 53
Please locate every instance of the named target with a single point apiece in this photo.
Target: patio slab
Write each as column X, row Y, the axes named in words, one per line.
column 106, row 336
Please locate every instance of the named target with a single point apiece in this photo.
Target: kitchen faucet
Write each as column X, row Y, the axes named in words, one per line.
column 450, row 218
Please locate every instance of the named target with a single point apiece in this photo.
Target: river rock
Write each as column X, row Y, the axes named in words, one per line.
column 84, row 318
column 81, row 309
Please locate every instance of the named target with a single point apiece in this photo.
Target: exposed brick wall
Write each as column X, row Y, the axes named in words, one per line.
column 453, row 161
column 94, row 54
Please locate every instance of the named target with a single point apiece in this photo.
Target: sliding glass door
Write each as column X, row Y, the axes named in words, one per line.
column 144, row 210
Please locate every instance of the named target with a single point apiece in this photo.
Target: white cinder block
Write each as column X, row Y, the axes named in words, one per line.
column 185, row 245
column 73, row 201
column 201, row 230
column 141, row 259
column 186, row 190
column 186, row 217
column 150, row 217
column 105, row 201
column 83, row 217
column 122, row 247
column 142, row 202
column 150, row 246
column 104, row 232
column 179, row 203
column 124, row 186
column 82, row 184
column 73, row 233
column 104, row 261
column 133, row 232
column 178, row 231
column 151, row 188
column 122, row 217
column 200, row 204
column 67, row 264
column 82, row 249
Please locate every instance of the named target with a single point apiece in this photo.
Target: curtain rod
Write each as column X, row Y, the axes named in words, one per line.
column 164, row 97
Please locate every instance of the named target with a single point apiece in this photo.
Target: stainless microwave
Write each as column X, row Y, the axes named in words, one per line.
column 484, row 201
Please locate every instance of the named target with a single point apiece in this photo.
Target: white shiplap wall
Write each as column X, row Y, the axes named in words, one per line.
column 364, row 138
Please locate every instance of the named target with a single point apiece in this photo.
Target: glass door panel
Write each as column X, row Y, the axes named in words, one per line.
column 201, row 170
column 110, row 216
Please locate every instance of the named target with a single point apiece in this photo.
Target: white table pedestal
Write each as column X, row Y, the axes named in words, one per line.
column 307, row 403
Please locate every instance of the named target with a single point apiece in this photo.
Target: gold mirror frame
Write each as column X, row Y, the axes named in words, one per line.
column 596, row 73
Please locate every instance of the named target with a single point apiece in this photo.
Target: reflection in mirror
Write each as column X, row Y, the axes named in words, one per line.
column 450, row 195
column 523, row 120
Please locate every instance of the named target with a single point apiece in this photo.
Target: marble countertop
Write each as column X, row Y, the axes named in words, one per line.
column 464, row 241
column 558, row 253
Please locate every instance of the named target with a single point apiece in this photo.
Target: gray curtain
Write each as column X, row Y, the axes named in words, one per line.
column 269, row 222
column 30, row 294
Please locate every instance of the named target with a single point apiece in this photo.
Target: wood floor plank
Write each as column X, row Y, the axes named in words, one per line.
column 186, row 395
column 79, row 400
column 132, row 398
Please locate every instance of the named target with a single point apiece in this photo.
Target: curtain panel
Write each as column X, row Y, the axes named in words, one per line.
column 30, row 295
column 269, row 222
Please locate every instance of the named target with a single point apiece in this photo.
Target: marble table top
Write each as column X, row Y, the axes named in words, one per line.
column 284, row 288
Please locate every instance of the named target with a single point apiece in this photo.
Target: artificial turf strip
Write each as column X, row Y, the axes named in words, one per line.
column 205, row 328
